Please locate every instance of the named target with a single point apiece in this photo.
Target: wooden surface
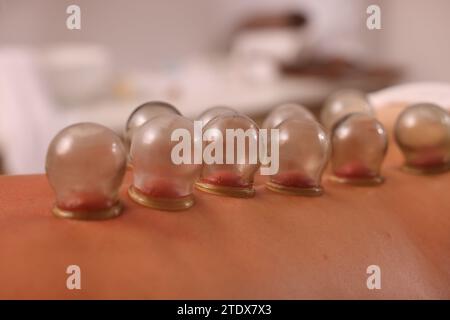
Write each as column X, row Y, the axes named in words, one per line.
column 271, row 246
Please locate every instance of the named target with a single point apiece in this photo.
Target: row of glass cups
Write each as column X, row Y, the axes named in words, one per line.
column 86, row 162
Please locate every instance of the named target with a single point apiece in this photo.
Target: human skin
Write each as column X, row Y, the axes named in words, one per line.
column 272, row 246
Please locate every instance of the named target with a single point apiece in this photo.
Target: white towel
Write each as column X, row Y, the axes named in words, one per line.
column 432, row 92
column 27, row 117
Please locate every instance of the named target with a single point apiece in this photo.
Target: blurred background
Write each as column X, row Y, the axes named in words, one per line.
column 250, row 55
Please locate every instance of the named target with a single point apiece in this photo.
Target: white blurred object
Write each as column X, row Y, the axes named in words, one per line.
column 433, row 92
column 77, row 73
column 256, row 69
column 26, row 115
column 284, row 45
column 259, row 53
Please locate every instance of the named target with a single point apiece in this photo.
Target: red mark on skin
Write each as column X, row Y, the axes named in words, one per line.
column 354, row 170
column 162, row 188
column 226, row 179
column 428, row 160
column 293, row 179
column 86, row 201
